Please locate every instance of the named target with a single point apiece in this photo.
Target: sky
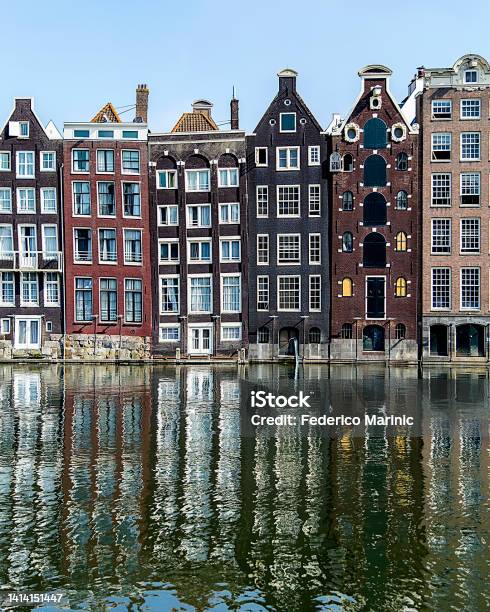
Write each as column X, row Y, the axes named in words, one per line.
column 74, row 57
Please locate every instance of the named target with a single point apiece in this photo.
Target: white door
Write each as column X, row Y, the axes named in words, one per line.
column 27, row 333
column 200, row 340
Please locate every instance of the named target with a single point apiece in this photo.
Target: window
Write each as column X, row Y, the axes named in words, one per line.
column 375, row 134
column 471, row 76
column 314, row 201
column 5, row 199
column 48, row 200
column 50, row 241
column 133, row 300
column 199, row 216
column 470, row 235
column 288, row 122
column 230, row 250
column 441, row 236
column 49, row 326
column 374, row 171
column 4, row 161
column 7, row 288
column 263, row 249
column 346, row 287
column 51, row 289
column 81, row 198
column 29, row 291
column 5, row 327
column 261, row 156
column 287, row 158
column 201, row 294
column 168, row 215
column 315, row 293
column 48, row 161
column 130, row 162
column 401, row 287
column 374, row 251
column 228, row 177
column 288, row 249
column 262, row 201
column 105, row 133
column 169, row 333
column 400, row 331
column 24, row 129
column 374, row 209
column 130, row 134
column 262, row 293
column 25, row 164
column 289, row 293
column 441, row 147
column 229, row 213
column 107, row 200
column 401, row 161
column 231, row 332
column 346, row 331
column 231, row 294
column 347, row 200
column 401, row 241
column 314, row 335
column 81, row 133
column 470, row 146
column 314, row 155
column 197, row 180
column 470, row 288
column 132, row 246
column 347, row 163
column 288, row 201
column 108, row 299
column 441, row 288
column 83, row 245
column 315, row 249
column 401, row 200
column 335, row 162
column 26, row 200
column 263, row 335
column 81, row 161
column 6, row 242
column 131, row 200
column 347, row 242
column 107, row 245
column 442, row 109
column 441, row 189
column 105, row 160
column 169, row 295
column 83, row 299
column 169, row 251
column 375, row 297
column 470, row 109
column 28, row 240
column 166, row 179
column 200, row 250
column 470, row 188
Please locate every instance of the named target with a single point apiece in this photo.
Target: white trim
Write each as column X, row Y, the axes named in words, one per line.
column 97, row 183
column 159, row 207
column 189, row 301
column 167, row 172
column 168, row 326
column 310, row 149
column 197, row 190
column 168, row 241
column 277, row 202
column 263, row 263
column 28, row 344
column 9, row 153
column 288, row 263
column 58, row 282
column 228, row 172
column 173, row 312
column 231, row 275
column 257, row 149
column 132, row 229
column 82, row 172
column 127, row 173
column 129, row 182
column 319, row 262
column 201, row 326
column 288, row 167
column 111, row 262
column 295, row 123
column 41, row 169
column 281, row 276
column 230, row 239
column 200, row 240
column 228, row 326
column 88, row 261
column 25, row 176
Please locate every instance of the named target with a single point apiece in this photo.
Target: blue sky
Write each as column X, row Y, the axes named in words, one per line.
column 74, row 57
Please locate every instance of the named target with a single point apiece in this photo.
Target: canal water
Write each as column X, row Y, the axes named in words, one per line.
column 147, row 488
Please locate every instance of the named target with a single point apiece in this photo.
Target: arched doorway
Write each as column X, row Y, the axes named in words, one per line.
column 438, row 340
column 374, row 251
column 374, row 209
column 373, row 338
column 287, row 336
column 470, row 340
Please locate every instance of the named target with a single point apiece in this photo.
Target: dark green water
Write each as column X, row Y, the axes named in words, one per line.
column 142, row 488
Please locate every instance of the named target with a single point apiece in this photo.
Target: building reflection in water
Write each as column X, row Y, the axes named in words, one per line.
column 141, row 482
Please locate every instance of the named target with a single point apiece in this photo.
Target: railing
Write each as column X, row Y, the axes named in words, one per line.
column 31, row 261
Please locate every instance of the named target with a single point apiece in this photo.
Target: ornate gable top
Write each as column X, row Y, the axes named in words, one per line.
column 107, row 114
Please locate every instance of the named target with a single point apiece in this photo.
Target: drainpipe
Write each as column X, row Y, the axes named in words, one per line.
column 62, row 256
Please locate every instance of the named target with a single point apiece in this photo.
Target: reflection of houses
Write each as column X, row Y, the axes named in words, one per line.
column 374, row 227
column 453, row 113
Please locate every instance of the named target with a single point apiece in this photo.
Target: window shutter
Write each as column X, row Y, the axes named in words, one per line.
column 375, row 135
column 374, row 171
column 14, row 128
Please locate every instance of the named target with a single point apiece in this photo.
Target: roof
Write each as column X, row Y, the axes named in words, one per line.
column 194, row 122
column 107, row 114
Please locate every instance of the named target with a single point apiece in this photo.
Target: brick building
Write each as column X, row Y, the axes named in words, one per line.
column 107, row 235
column 453, row 111
column 288, row 220
column 199, row 236
column 373, row 163
column 31, row 264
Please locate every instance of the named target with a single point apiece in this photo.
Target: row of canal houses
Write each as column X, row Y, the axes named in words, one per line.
column 367, row 240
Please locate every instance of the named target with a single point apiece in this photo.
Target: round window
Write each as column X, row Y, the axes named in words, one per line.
column 398, row 132
column 272, row 122
column 302, row 121
column 351, row 133
column 287, row 102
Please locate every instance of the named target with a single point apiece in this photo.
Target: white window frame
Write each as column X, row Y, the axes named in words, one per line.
column 17, row 164
column 262, row 277
column 229, row 174
column 200, row 241
column 91, row 254
column 311, row 149
column 7, row 211
column 257, row 149
column 435, row 136
column 450, row 114
column 435, row 308
column 28, row 304
column 200, row 207
column 266, row 193
column 297, row 238
column 12, row 283
column 3, row 331
column 197, row 190
column 436, row 253
column 169, row 326
column 167, row 173
column 11, row 227
column 128, row 182
column 469, row 308
column 472, row 71
column 159, row 208
column 73, row 171
column 229, row 326
column 279, row 278
column 21, row 135
column 478, row 224
column 446, row 174
column 9, row 154
column 173, row 312
column 263, row 263
column 104, row 150
column 98, row 200
column 471, row 117
column 222, row 306
column 229, row 206
column 230, row 239
column 311, row 277
column 41, row 161
column 169, row 242
column 289, row 216
column 319, row 187
column 42, row 192
column 475, row 205
column 315, row 262
column 468, row 159
column 288, row 166
column 17, row 196
column 132, row 229
column 110, row 262
column 75, row 214
column 295, row 123
column 129, row 172
column 45, row 289
column 46, row 256
column 189, row 293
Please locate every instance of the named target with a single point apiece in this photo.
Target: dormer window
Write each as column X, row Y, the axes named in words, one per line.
column 471, row 76
column 288, row 122
column 24, row 129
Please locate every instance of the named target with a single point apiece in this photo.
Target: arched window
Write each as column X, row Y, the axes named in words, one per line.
column 335, row 162
column 347, row 242
column 402, row 200
column 375, row 134
column 346, row 332
column 401, row 287
column 374, row 208
column 346, row 287
column 374, row 251
column 347, row 200
column 401, row 162
column 314, row 335
column 373, row 338
column 401, row 241
column 374, row 171
column 400, row 331
column 348, row 163
column 264, row 335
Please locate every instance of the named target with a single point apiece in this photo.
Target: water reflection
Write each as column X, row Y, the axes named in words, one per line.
column 123, row 485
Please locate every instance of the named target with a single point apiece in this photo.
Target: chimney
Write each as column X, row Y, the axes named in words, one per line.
column 287, row 80
column 234, row 113
column 141, row 114
column 202, row 106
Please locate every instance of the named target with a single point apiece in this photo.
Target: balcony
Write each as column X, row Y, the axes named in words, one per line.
column 32, row 261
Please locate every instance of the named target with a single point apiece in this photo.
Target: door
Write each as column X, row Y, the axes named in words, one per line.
column 27, row 333
column 288, row 341
column 375, row 302
column 200, row 340
column 28, row 246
